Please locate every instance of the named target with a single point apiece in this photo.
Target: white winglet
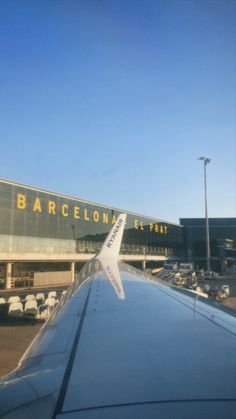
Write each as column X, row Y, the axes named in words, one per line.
column 111, row 246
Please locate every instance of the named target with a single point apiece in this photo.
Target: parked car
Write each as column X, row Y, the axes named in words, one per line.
column 210, row 275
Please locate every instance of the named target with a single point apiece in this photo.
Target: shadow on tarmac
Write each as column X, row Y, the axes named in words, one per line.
column 19, row 321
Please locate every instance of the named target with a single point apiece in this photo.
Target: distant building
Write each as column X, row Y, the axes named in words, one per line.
column 45, row 237
column 222, row 233
column 44, row 232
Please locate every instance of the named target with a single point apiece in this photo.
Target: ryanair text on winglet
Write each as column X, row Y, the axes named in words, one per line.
column 113, row 236
column 52, row 208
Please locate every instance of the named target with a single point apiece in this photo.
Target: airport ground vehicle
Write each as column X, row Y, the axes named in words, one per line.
column 171, row 266
column 185, row 268
column 119, row 345
column 210, row 275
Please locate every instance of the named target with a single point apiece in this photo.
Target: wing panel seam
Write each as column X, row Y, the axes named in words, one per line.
column 66, row 378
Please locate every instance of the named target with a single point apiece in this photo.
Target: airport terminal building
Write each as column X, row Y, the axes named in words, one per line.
column 222, row 232
column 45, row 236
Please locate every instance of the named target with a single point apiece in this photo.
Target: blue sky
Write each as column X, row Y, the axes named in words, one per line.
column 114, row 101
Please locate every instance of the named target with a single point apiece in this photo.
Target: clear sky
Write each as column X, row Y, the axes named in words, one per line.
column 113, row 101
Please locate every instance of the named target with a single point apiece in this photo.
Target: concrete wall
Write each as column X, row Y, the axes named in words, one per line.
column 52, row 278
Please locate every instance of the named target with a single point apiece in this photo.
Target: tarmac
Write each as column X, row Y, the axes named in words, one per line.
column 217, row 284
column 17, row 334
column 15, row 337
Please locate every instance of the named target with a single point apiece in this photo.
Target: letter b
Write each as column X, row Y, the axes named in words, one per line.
column 21, row 201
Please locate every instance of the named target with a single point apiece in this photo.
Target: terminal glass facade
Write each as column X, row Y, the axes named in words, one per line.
column 35, row 221
column 222, row 232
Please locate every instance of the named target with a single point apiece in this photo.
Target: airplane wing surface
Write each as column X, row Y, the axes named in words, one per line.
column 121, row 346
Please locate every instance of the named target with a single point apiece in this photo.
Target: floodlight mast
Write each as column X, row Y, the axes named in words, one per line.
column 206, row 160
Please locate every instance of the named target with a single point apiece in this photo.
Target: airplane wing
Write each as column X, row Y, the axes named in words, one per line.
column 119, row 345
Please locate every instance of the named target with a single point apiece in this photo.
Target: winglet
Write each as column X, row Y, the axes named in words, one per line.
column 111, row 246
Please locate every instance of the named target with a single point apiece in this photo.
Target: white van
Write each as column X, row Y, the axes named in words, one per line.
column 186, row 267
column 174, row 266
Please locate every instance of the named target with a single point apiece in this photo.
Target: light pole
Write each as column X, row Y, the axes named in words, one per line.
column 206, row 160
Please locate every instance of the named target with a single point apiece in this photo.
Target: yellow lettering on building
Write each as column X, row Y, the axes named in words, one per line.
column 161, row 230
column 37, row 205
column 165, row 229
column 21, row 201
column 141, row 225
column 113, row 219
column 76, row 212
column 51, row 207
column 86, row 214
column 64, row 210
column 136, row 224
column 150, row 227
column 96, row 216
column 105, row 218
column 156, row 228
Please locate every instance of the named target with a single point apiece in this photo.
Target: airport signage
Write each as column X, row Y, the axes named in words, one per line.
column 80, row 212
